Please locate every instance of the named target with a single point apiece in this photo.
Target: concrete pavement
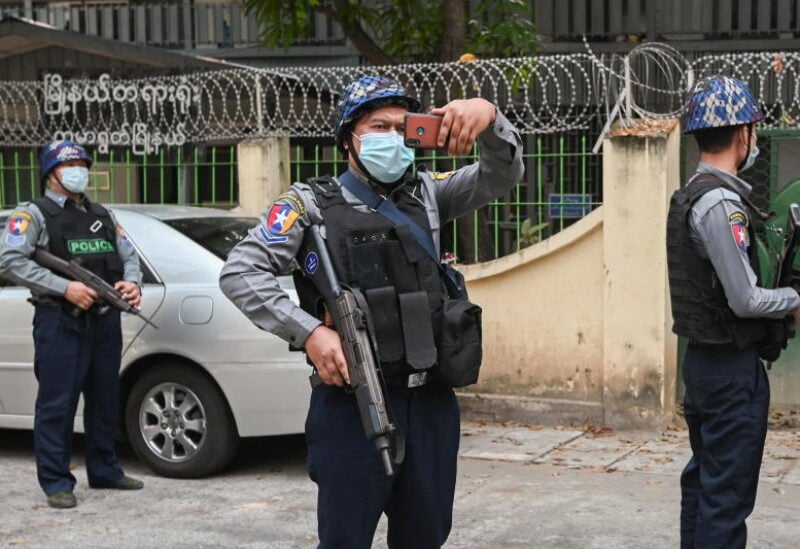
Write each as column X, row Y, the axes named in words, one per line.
column 519, row 486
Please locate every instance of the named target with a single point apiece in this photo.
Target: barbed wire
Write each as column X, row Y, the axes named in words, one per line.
column 540, row 95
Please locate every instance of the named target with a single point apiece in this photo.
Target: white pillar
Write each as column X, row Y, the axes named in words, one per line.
column 640, row 173
column 263, row 169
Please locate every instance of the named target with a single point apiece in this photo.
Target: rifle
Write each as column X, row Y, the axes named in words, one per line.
column 72, row 269
column 352, row 322
column 784, row 275
column 783, row 330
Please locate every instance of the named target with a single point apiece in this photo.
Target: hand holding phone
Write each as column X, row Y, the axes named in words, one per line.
column 422, row 130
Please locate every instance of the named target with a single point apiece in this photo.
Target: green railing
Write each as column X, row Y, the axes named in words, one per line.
column 562, row 183
column 201, row 176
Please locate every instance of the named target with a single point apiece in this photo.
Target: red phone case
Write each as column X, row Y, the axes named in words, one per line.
column 422, row 130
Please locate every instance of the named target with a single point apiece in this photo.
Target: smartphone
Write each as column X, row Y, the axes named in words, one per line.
column 422, row 130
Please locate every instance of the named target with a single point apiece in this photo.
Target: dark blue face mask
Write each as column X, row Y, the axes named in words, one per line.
column 384, row 155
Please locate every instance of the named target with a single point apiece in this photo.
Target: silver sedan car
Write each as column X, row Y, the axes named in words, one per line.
column 206, row 377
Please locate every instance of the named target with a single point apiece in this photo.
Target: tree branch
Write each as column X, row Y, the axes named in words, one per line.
column 356, row 33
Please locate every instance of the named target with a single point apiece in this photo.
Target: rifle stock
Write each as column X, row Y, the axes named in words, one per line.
column 74, row 271
column 791, row 241
column 782, row 330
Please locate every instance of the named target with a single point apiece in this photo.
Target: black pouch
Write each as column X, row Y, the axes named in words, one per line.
column 461, row 349
column 454, row 282
column 780, row 331
column 417, row 330
column 386, row 321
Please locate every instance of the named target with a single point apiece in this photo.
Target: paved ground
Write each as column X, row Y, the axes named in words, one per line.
column 519, row 486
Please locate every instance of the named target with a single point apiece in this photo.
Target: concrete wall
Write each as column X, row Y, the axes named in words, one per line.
column 543, row 316
column 578, row 328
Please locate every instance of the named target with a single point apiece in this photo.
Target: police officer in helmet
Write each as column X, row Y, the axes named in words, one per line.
column 393, row 272
column 77, row 345
column 721, row 306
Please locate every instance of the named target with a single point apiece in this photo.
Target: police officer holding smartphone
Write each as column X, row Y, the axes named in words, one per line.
column 77, row 344
column 404, row 294
column 724, row 310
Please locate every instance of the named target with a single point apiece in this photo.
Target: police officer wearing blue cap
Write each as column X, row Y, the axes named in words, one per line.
column 721, row 306
column 404, row 293
column 77, row 344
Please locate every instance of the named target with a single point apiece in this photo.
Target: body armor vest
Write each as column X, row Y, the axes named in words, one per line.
column 400, row 281
column 88, row 236
column 699, row 307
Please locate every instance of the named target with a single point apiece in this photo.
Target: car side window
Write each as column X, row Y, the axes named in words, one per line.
column 147, row 275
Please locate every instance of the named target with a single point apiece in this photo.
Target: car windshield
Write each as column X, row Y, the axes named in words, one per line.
column 218, row 235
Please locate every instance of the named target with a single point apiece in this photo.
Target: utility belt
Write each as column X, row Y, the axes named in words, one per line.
column 406, row 381
column 412, row 381
column 712, row 344
column 98, row 309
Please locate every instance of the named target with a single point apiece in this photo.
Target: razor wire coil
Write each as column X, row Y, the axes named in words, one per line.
column 540, row 95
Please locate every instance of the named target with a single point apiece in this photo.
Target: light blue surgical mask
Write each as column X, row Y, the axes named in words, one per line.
column 75, row 179
column 384, row 155
column 751, row 159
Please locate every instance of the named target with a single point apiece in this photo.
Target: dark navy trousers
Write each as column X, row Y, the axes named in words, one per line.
column 74, row 356
column 353, row 489
column 726, row 408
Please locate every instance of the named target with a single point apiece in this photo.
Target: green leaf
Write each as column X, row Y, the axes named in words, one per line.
column 406, row 30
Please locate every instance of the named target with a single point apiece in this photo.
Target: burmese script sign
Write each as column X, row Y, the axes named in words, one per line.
column 125, row 113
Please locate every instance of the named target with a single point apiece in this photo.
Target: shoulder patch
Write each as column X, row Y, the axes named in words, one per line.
column 281, row 217
column 438, row 176
column 739, row 222
column 738, row 217
column 18, row 223
column 123, row 236
column 271, row 239
column 14, row 240
column 311, row 263
column 293, row 200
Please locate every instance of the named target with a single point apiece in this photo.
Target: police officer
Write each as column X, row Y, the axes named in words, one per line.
column 353, row 488
column 77, row 345
column 720, row 304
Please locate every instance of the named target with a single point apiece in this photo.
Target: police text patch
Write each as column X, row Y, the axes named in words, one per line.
column 738, row 223
column 89, row 246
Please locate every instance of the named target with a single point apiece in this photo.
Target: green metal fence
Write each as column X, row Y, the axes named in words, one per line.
column 562, row 183
column 202, row 176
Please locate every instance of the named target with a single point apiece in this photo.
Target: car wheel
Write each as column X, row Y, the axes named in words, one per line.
column 178, row 422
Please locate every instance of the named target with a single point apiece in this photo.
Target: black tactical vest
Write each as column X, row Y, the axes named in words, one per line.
column 400, row 281
column 700, row 309
column 88, row 237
